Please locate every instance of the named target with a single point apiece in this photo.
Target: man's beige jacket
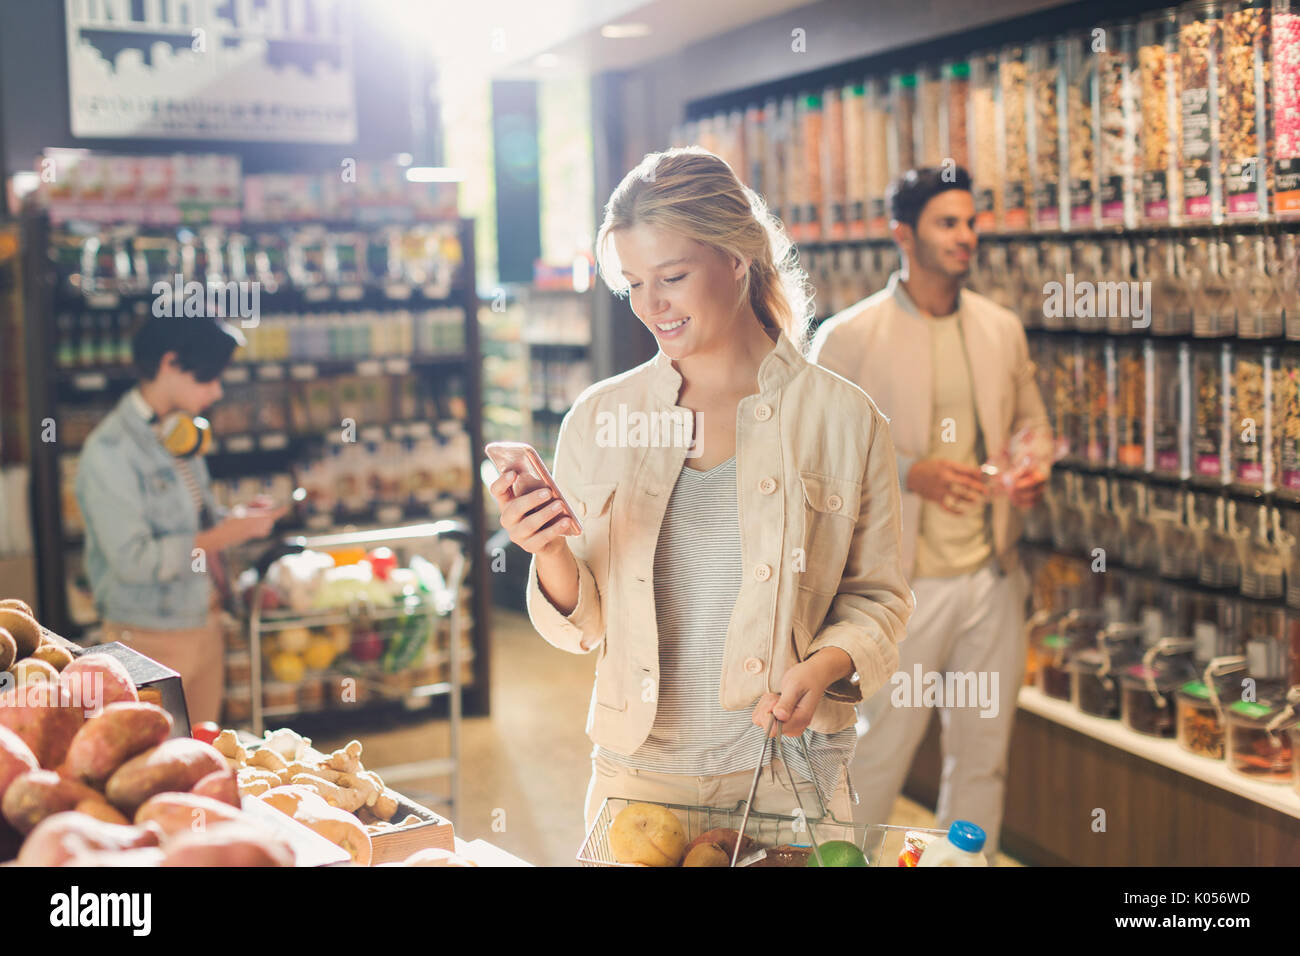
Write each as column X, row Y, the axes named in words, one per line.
column 819, row 526
column 882, row 344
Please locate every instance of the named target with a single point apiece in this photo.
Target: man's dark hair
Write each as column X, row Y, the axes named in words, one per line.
column 202, row 345
column 908, row 194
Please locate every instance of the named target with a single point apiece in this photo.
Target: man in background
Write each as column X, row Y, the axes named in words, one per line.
column 951, row 370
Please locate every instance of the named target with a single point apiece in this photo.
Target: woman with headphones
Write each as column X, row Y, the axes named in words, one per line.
column 751, row 572
column 154, row 532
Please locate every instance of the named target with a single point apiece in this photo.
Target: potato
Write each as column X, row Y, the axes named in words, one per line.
column 38, row 794
column 18, row 605
column 707, row 854
column 23, row 628
column 30, row 670
column 647, row 833
column 97, row 680
column 61, row 836
column 176, row 764
column 101, row 809
column 220, row 785
column 43, row 716
column 8, row 650
column 726, row 841
column 229, row 844
column 106, row 742
column 16, row 758
column 177, row 813
column 55, row 655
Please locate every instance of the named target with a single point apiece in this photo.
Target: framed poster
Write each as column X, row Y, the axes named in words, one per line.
column 271, row 70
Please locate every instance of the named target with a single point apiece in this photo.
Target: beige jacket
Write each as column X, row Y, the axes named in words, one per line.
column 882, row 344
column 819, row 524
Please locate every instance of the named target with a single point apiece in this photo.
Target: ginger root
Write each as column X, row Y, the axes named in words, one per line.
column 335, row 796
column 268, row 760
column 228, row 746
column 347, row 759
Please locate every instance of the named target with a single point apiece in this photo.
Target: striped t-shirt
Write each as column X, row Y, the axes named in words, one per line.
column 697, row 575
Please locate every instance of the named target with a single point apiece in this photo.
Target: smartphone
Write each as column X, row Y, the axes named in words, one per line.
column 530, row 474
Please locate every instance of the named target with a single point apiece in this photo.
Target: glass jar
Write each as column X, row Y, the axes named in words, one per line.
column 1161, row 116
column 1243, row 110
column 1119, row 124
column 1175, row 538
column 1013, row 104
column 1257, row 286
column 1263, row 548
column 1200, row 34
column 1130, row 409
column 810, row 225
column 1200, row 702
column 795, row 195
column 879, row 117
column 1215, row 311
column 1096, row 402
column 1210, row 374
column 1149, row 689
column 1046, row 102
column 834, row 192
column 1285, row 89
column 1081, row 122
column 986, row 166
column 1067, row 393
column 854, row 99
column 929, row 107
column 1094, row 671
column 1168, row 367
column 1290, row 273
column 1074, row 633
column 902, row 140
column 1258, row 746
column 776, row 121
column 1185, row 302
column 1286, row 420
column 1218, row 564
column 1250, row 415
column 954, row 113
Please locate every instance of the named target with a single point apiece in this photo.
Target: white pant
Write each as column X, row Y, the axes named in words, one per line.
column 971, row 623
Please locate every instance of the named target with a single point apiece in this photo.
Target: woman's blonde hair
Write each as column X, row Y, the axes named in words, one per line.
column 690, row 191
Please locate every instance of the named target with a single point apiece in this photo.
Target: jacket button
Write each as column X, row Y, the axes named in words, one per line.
column 835, row 502
column 753, row 665
column 762, row 572
column 767, row 486
column 763, row 411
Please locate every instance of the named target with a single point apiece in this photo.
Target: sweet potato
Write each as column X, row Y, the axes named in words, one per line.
column 8, row 650
column 60, row 837
column 24, row 629
column 97, row 680
column 176, row 764
column 39, row 794
column 43, row 716
column 16, row 758
column 229, row 844
column 178, row 813
column 107, row 741
column 101, row 809
column 220, row 785
column 55, row 655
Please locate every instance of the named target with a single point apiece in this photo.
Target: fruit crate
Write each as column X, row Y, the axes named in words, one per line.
column 879, row 843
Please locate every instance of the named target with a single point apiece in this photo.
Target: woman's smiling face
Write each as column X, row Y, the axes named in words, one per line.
column 683, row 291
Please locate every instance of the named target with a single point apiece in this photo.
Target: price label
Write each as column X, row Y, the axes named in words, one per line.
column 91, row 381
column 316, row 293
column 397, row 366
column 235, row 374
column 270, row 373
column 349, row 293
column 273, row 441
column 369, row 367
column 239, row 444
column 397, row 290
column 303, row 371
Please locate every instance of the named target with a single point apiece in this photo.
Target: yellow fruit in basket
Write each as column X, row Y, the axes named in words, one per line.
column 648, row 834
column 293, row 640
column 320, row 653
column 341, row 636
column 288, row 668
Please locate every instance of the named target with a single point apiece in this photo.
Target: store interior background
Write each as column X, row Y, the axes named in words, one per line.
column 543, row 116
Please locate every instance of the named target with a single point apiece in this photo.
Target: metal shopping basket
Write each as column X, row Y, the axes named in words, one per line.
column 879, row 843
column 441, row 604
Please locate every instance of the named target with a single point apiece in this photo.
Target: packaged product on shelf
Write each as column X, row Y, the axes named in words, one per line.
column 954, row 115
column 1286, row 423
column 1250, row 439
column 755, row 149
column 1026, row 261
column 1256, row 748
column 854, row 100
column 929, row 106
column 774, row 133
column 1118, row 86
column 1257, row 293
column 813, row 227
column 1184, row 296
column 834, row 161
column 1149, row 688
column 1243, row 110
column 1169, row 512
column 986, row 168
column 796, row 166
column 1201, row 704
column 1046, row 79
column 1211, row 261
column 1067, row 398
column 902, row 138
column 1211, row 372
column 1168, row 374
column 1014, row 105
column 1285, row 90
column 1094, row 671
column 879, row 165
column 1131, row 413
column 1081, row 121
column 1263, row 548
column 1200, row 32
column 1095, row 402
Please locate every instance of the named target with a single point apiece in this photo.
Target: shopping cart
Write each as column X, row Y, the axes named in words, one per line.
column 429, row 539
column 880, row 844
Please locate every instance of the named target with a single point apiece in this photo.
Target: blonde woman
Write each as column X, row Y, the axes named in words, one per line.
column 752, row 570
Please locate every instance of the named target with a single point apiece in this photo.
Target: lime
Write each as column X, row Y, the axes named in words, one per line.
column 838, row 853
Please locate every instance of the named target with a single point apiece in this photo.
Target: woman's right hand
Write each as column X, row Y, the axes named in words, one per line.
column 525, row 529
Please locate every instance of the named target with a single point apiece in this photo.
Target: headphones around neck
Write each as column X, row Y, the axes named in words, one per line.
column 183, row 436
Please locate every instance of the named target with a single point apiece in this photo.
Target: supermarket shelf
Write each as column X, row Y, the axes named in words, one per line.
column 1111, row 232
column 1167, row 753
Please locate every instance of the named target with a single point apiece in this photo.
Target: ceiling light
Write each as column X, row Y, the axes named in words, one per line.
column 624, row 31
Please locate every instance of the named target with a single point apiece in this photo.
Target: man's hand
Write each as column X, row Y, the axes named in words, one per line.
column 954, row 487
column 1028, row 488
column 802, row 688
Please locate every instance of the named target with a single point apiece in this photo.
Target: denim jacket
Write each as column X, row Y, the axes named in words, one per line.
column 140, row 526
column 820, row 541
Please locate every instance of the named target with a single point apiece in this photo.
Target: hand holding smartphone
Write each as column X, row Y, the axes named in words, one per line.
column 533, row 509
